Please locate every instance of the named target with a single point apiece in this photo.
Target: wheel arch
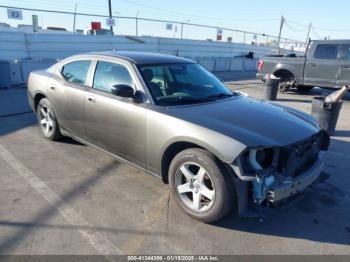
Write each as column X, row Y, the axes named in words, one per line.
column 180, row 144
column 170, row 152
column 283, row 73
column 37, row 97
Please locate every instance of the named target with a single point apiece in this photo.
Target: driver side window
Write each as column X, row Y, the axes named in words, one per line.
column 158, row 80
column 109, row 74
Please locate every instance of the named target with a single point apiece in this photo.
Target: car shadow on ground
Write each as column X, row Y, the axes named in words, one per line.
column 70, row 141
column 22, row 230
column 316, row 92
column 13, row 123
column 10, row 124
column 319, row 214
column 300, row 219
column 342, row 133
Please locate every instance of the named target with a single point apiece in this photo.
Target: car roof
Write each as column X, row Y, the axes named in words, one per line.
column 144, row 58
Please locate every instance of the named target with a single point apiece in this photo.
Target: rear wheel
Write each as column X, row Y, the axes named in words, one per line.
column 287, row 82
column 201, row 185
column 47, row 120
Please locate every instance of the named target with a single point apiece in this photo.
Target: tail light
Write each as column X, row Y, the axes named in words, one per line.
column 260, row 65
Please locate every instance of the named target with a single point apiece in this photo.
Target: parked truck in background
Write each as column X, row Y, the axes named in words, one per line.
column 326, row 63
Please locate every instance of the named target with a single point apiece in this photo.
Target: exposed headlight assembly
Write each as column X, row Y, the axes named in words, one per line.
column 258, row 166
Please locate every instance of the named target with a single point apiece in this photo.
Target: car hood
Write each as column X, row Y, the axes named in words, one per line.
column 250, row 121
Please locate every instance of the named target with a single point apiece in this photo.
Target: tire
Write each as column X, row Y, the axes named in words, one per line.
column 305, row 88
column 48, row 121
column 286, row 82
column 207, row 178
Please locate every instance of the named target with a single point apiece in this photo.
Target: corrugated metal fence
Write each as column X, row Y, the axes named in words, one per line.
column 35, row 51
column 24, row 45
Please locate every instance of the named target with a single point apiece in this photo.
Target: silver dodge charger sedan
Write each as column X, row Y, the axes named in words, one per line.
column 167, row 115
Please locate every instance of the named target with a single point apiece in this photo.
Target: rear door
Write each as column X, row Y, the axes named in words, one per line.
column 113, row 123
column 68, row 90
column 323, row 66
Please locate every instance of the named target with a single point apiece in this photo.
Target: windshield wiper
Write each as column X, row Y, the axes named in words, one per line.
column 181, row 100
column 216, row 96
column 190, row 100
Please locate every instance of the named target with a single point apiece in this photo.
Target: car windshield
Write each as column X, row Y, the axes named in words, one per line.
column 178, row 84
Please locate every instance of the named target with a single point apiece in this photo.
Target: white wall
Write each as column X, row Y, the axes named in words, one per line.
column 35, row 51
column 24, row 45
column 12, row 46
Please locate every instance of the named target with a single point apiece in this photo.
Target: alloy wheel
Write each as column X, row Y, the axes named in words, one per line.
column 46, row 120
column 195, row 187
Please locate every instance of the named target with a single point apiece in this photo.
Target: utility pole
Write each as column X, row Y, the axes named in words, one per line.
column 185, row 21
column 279, row 36
column 110, row 14
column 137, row 23
column 75, row 15
column 308, row 34
column 182, row 29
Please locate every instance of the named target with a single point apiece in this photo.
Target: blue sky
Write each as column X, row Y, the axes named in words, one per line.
column 329, row 18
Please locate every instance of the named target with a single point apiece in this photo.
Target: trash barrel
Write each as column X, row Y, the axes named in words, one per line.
column 326, row 113
column 270, row 88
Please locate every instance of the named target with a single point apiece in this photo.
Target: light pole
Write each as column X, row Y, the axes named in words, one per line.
column 75, row 15
column 308, row 34
column 182, row 26
column 137, row 23
column 110, row 14
column 279, row 35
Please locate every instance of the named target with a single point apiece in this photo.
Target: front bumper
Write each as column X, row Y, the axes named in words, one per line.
column 290, row 187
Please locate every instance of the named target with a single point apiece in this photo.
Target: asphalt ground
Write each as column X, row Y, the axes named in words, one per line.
column 67, row 198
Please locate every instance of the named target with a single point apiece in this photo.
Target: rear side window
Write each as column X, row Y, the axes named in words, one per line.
column 347, row 54
column 328, row 51
column 109, row 74
column 76, row 72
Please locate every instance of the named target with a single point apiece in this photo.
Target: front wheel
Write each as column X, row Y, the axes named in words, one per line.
column 201, row 185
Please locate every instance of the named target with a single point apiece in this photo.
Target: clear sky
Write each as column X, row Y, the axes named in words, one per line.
column 329, row 18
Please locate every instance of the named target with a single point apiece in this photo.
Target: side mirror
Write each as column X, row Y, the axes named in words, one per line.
column 123, row 91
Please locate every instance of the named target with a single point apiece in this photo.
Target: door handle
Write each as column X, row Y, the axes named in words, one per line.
column 346, row 66
column 92, row 98
column 313, row 65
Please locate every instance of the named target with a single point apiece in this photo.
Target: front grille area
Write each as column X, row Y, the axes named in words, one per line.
column 298, row 157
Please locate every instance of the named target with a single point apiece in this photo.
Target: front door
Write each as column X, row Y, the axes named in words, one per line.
column 322, row 67
column 114, row 123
